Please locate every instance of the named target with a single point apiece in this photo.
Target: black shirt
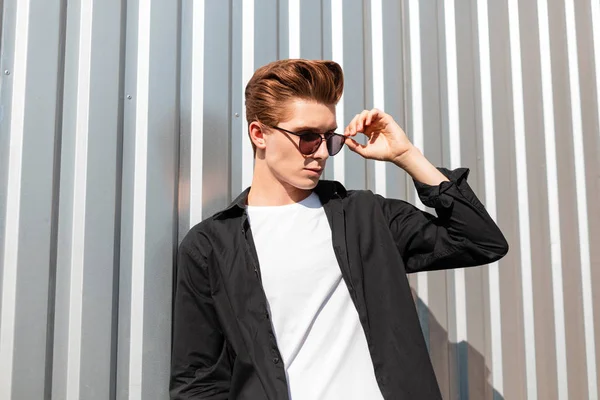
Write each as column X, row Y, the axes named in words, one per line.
column 223, row 342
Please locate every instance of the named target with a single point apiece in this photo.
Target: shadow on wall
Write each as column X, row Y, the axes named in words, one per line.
column 460, row 368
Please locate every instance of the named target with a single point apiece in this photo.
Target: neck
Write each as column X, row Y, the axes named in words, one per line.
column 267, row 190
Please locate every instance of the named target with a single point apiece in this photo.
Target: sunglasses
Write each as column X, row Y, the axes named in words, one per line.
column 311, row 141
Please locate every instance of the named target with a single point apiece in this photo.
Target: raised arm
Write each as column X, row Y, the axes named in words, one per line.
column 463, row 234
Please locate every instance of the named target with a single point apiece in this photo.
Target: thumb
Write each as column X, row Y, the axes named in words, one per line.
column 355, row 146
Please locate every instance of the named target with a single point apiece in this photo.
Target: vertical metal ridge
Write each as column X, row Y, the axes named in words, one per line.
column 230, row 124
column 138, row 261
column 460, row 301
column 78, row 230
column 416, row 118
column 56, row 185
column 13, row 203
column 553, row 201
column 452, row 77
column 595, row 17
column 378, row 82
column 337, row 55
column 197, row 114
column 176, row 187
column 1, row 22
column 114, row 363
column 294, row 28
column 581, row 195
column 487, row 119
column 247, row 71
column 405, row 51
column 415, row 73
column 595, row 22
column 522, row 197
column 322, row 24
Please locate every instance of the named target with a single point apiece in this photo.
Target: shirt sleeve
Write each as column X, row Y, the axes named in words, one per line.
column 463, row 234
column 200, row 365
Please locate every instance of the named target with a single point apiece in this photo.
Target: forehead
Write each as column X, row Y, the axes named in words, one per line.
column 309, row 114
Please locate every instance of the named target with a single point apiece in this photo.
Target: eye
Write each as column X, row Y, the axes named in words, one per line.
column 309, row 136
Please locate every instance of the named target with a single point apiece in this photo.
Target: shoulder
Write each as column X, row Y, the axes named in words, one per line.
column 336, row 188
column 327, row 189
column 362, row 200
column 216, row 230
column 196, row 242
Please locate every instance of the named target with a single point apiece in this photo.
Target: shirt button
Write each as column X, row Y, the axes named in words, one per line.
column 275, row 360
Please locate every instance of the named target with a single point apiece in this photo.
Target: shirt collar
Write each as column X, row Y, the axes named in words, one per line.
column 326, row 190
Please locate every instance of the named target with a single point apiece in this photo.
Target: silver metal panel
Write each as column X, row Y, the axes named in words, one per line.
column 122, row 125
column 27, row 234
column 394, row 61
column 591, row 138
column 6, row 85
column 563, row 114
column 161, row 188
column 218, row 134
column 149, row 224
column 84, row 321
column 513, row 368
column 474, row 369
column 311, row 28
column 234, row 57
column 191, row 98
column 127, row 201
column 354, row 91
column 542, row 202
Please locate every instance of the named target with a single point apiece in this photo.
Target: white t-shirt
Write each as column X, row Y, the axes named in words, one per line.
column 318, row 332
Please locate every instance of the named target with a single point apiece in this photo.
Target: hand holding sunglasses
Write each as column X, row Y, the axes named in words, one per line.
column 386, row 140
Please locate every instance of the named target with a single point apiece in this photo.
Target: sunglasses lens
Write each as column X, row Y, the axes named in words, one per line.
column 335, row 143
column 309, row 143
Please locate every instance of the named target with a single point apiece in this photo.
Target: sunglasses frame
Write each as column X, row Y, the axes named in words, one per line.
column 321, row 139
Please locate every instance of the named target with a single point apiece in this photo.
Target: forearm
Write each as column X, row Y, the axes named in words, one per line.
column 463, row 223
column 463, row 234
column 419, row 167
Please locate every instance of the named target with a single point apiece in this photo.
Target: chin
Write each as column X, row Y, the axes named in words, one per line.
column 305, row 183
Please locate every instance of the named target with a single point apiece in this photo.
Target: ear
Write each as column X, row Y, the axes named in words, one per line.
column 257, row 135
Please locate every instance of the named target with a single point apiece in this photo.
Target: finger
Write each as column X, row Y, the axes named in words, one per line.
column 361, row 121
column 372, row 114
column 351, row 128
column 356, row 124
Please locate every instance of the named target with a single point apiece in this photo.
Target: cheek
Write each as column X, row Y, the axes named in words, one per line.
column 284, row 158
column 283, row 151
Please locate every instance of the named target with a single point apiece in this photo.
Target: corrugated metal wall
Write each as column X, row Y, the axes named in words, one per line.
column 122, row 124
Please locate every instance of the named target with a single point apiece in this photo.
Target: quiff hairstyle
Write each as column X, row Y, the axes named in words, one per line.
column 273, row 85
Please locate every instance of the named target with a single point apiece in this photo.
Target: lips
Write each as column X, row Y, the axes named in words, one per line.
column 317, row 170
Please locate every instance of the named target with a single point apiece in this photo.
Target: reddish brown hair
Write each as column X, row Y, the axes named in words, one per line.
column 272, row 86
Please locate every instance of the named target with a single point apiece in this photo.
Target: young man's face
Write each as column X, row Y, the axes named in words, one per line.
column 282, row 153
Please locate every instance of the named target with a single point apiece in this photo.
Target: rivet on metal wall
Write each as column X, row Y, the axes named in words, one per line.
column 128, row 97
column 6, row 72
column 237, row 115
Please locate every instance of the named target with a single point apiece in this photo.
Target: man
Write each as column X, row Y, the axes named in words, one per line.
column 298, row 289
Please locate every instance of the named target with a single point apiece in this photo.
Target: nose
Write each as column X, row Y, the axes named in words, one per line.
column 321, row 153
